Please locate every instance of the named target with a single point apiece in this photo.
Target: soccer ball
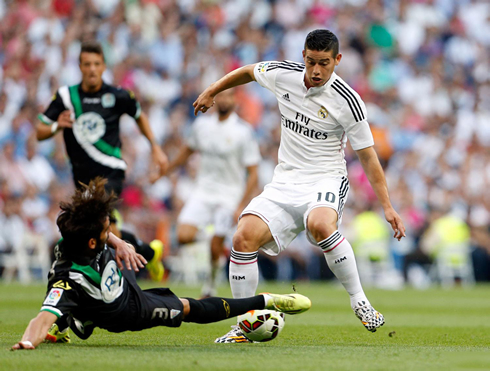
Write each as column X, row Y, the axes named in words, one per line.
column 261, row 325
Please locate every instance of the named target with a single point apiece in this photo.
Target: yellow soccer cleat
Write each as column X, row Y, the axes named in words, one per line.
column 155, row 266
column 54, row 335
column 289, row 304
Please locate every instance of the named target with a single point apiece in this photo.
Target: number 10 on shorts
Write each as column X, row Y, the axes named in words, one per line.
column 329, row 197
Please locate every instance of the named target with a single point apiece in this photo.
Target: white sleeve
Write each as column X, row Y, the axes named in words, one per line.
column 265, row 74
column 250, row 149
column 353, row 119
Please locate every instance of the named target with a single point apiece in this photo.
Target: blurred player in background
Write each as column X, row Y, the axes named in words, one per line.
column 226, row 181
column 86, row 289
column 319, row 111
column 88, row 115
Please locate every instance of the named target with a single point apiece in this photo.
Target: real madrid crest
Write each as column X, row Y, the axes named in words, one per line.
column 322, row 113
column 108, row 100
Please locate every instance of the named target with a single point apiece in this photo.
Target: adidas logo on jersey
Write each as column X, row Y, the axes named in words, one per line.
column 286, row 97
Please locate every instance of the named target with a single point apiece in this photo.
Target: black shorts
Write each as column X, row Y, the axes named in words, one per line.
column 149, row 308
column 115, row 180
column 115, row 185
column 160, row 307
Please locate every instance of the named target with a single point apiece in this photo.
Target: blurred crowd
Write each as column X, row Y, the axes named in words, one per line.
column 421, row 66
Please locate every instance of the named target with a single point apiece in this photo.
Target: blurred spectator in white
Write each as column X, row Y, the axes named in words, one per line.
column 11, row 170
column 14, row 258
column 36, row 168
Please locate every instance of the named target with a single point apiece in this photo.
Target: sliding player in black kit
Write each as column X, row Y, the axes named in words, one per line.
column 87, row 289
column 88, row 115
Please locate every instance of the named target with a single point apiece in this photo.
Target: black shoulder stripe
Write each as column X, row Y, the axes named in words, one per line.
column 350, row 95
column 285, row 68
column 352, row 98
column 271, row 64
column 349, row 92
column 286, row 65
column 348, row 101
column 291, row 63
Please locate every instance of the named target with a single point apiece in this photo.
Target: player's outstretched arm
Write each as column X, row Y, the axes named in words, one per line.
column 36, row 331
column 374, row 172
column 158, row 157
column 240, row 76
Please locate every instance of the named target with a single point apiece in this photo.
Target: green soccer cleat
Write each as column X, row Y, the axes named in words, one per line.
column 155, row 266
column 289, row 304
column 56, row 336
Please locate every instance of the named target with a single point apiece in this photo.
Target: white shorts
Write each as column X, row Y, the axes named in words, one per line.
column 199, row 213
column 285, row 207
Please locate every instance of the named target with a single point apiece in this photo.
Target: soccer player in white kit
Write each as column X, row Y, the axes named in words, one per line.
column 226, row 181
column 319, row 112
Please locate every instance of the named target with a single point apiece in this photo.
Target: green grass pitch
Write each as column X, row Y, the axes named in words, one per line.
column 430, row 330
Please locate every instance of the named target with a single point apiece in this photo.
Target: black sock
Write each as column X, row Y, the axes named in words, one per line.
column 62, row 323
column 217, row 309
column 141, row 247
column 82, row 329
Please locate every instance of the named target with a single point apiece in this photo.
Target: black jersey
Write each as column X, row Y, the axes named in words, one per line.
column 95, row 291
column 93, row 144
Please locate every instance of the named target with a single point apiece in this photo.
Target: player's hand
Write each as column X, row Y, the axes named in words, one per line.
column 126, row 253
column 65, row 119
column 23, row 345
column 161, row 161
column 203, row 102
column 396, row 222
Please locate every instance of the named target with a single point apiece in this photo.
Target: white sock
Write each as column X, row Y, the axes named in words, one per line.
column 267, row 297
column 342, row 262
column 244, row 273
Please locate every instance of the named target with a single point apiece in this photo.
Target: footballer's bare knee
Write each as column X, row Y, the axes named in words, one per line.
column 244, row 242
column 252, row 232
column 322, row 222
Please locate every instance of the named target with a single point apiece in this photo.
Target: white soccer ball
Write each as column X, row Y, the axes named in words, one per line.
column 261, row 325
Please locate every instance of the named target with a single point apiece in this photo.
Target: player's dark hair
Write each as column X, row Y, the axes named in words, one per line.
column 91, row 47
column 323, row 41
column 83, row 218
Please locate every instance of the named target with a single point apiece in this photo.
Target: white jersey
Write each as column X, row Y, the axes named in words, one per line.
column 227, row 148
column 315, row 122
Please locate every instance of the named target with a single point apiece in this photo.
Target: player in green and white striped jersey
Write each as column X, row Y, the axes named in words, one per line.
column 86, row 288
column 88, row 114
